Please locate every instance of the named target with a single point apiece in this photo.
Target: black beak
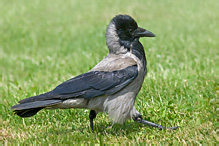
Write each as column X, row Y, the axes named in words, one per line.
column 140, row 32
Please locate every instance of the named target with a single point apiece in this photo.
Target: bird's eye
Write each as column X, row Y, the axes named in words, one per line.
column 130, row 30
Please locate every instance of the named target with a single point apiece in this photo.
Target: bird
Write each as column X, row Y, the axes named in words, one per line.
column 111, row 86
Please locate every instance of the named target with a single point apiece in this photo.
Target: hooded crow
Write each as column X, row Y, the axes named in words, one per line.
column 111, row 86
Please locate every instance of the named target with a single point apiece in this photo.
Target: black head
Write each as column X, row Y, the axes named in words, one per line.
column 127, row 28
column 122, row 31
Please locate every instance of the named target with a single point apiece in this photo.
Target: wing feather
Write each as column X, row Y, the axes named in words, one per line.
column 89, row 85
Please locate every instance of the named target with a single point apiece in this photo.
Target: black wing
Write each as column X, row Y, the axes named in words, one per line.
column 90, row 84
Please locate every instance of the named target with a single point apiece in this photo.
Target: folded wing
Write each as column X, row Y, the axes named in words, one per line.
column 89, row 85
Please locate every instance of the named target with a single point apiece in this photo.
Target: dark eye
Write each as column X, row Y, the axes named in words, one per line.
column 130, row 30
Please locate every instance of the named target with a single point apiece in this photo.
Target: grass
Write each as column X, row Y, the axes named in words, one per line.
column 43, row 43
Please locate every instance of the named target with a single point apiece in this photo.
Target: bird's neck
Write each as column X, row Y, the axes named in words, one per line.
column 117, row 46
column 113, row 42
column 138, row 50
column 134, row 47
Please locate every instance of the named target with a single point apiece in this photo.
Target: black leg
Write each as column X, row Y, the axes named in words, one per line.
column 139, row 119
column 92, row 115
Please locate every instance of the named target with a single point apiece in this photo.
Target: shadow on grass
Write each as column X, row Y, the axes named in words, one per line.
column 103, row 128
column 118, row 130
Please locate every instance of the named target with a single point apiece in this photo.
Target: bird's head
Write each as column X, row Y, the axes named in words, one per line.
column 121, row 32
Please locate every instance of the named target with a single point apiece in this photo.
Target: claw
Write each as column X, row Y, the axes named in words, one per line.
column 173, row 128
column 140, row 120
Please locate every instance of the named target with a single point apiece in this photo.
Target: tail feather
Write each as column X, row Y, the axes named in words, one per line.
column 35, row 104
column 31, row 108
column 36, row 98
column 27, row 112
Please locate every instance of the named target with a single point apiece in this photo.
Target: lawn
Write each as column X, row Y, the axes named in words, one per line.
column 45, row 42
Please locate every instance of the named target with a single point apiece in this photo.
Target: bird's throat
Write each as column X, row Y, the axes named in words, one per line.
column 125, row 44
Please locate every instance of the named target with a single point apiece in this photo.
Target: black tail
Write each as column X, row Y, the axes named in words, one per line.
column 31, row 108
column 27, row 113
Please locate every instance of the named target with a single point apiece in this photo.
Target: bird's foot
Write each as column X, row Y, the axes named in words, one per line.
column 139, row 119
column 92, row 115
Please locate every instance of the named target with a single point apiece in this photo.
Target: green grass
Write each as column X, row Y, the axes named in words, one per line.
column 43, row 43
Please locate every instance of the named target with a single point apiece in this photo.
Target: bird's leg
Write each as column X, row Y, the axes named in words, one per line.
column 138, row 118
column 92, row 115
